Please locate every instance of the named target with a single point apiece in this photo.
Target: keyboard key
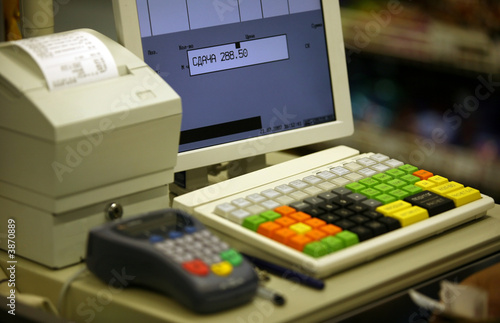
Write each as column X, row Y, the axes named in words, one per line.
column 411, row 215
column 349, row 238
column 464, row 196
column 362, row 232
column 432, row 202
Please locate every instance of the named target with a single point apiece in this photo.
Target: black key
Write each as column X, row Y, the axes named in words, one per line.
column 358, row 208
column 390, row 223
column 329, row 207
column 327, row 196
column 358, row 219
column 342, row 201
column 376, row 227
column 344, row 213
column 342, row 191
column 313, row 201
column 345, row 224
column 432, row 202
column 373, row 214
column 357, row 197
column 301, row 207
column 315, row 212
column 330, row 218
column 362, row 232
column 371, row 204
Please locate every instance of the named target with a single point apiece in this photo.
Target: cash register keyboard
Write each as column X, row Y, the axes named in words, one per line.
column 335, row 209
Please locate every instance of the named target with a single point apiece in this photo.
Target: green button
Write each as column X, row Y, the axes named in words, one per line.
column 395, row 173
column 270, row 215
column 384, row 188
column 397, row 183
column 232, row 256
column 355, row 187
column 369, row 182
column 333, row 243
column 315, row 249
column 410, row 179
column 348, row 238
column 252, row 222
column 382, row 177
column 412, row 189
column 399, row 194
column 385, row 198
column 370, row 193
column 408, row 169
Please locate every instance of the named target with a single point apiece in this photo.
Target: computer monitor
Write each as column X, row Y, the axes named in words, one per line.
column 255, row 76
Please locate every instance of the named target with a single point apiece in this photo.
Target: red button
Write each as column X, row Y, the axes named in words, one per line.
column 196, row 267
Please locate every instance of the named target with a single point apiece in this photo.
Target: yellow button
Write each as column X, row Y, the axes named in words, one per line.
column 438, row 180
column 222, row 268
column 425, row 185
column 300, row 228
column 411, row 215
column 393, row 207
column 446, row 188
column 464, row 196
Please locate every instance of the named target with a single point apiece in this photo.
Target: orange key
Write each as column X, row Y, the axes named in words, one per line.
column 300, row 216
column 285, row 210
column 315, row 223
column 316, row 234
column 299, row 242
column 283, row 235
column 423, row 174
column 331, row 229
column 285, row 221
column 267, row 228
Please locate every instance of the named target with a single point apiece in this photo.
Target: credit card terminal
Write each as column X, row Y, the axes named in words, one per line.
column 173, row 253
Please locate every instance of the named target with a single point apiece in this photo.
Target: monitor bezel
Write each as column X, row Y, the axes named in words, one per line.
column 128, row 33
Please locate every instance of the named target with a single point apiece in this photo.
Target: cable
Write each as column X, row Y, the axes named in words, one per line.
column 65, row 288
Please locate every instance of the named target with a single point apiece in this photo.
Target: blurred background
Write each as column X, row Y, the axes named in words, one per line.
column 424, row 79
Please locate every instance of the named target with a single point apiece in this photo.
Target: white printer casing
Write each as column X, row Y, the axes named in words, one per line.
column 66, row 155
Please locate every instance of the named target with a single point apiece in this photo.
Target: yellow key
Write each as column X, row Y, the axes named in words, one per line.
column 425, row 185
column 393, row 207
column 438, row 180
column 464, row 196
column 223, row 268
column 300, row 228
column 411, row 215
column 446, row 188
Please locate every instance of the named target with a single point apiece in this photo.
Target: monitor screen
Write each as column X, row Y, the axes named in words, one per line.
column 255, row 76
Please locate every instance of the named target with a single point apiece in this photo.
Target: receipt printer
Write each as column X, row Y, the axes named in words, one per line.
column 76, row 153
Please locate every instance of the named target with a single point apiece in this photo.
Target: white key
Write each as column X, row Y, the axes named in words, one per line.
column 284, row 200
column 367, row 172
column 327, row 186
column 299, row 195
column 256, row 198
column 270, row 204
column 224, row 209
column 270, row 193
column 241, row 203
column 379, row 158
column 380, row 168
column 340, row 171
column 354, row 177
column 366, row 162
column 284, row 189
column 353, row 166
column 326, row 175
column 393, row 163
column 238, row 216
column 255, row 209
column 311, row 179
column 313, row 190
column 340, row 181
column 298, row 184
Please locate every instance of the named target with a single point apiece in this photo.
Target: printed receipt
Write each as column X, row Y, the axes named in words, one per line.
column 70, row 59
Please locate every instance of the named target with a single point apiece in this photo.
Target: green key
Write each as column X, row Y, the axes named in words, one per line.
column 395, row 173
column 385, row 198
column 348, row 238
column 397, row 183
column 252, row 222
column 370, row 193
column 408, row 169
column 333, row 243
column 384, row 188
column 412, row 189
column 399, row 194
column 315, row 249
column 410, row 179
column 369, row 182
column 382, row 177
column 270, row 215
column 232, row 256
column 355, row 187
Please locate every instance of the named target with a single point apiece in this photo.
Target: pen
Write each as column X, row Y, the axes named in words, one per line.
column 266, row 293
column 287, row 273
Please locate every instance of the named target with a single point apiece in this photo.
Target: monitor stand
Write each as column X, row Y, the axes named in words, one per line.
column 193, row 179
